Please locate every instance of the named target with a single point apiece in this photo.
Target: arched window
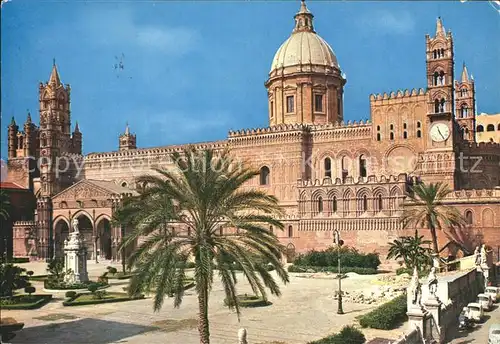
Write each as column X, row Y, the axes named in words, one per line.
column 378, row 136
column 436, row 106
column 419, row 133
column 391, row 127
column 362, row 166
column 434, row 54
column 405, row 126
column 480, row 129
column 464, row 111
column 435, row 78
column 378, row 133
column 124, row 184
column 490, row 127
column 405, row 135
column 499, row 127
column 264, row 175
column 290, row 231
column 365, row 203
column 441, row 78
column 344, row 166
column 379, row 203
column 468, row 217
column 320, row 204
column 378, row 127
column 391, row 136
column 334, row 204
column 328, row 167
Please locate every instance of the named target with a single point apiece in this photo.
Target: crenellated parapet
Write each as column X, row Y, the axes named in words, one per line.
column 280, row 128
column 397, row 95
column 474, row 195
column 282, row 133
column 144, row 152
column 352, row 130
column 481, row 147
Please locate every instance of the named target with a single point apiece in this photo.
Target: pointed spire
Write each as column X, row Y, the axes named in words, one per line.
column 77, row 128
column 28, row 119
column 440, row 31
column 303, row 19
column 465, row 74
column 12, row 121
column 54, row 76
column 127, row 129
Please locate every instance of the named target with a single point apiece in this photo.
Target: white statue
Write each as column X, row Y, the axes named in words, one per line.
column 75, row 225
column 416, row 289
column 484, row 258
column 432, row 282
column 477, row 256
column 242, row 336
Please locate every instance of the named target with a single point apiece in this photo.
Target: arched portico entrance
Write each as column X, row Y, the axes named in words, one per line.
column 103, row 231
column 61, row 229
column 290, row 253
column 86, row 229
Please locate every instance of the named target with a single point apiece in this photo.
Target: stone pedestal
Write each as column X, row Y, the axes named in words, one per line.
column 433, row 306
column 75, row 259
column 416, row 319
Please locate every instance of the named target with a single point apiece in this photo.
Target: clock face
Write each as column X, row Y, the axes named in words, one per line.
column 439, row 132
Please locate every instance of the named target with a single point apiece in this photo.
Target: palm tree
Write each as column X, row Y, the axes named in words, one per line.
column 425, row 209
column 223, row 226
column 4, row 205
column 412, row 250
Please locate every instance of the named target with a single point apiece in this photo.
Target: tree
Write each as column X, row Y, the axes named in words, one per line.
column 4, row 204
column 198, row 210
column 411, row 250
column 425, row 209
column 11, row 278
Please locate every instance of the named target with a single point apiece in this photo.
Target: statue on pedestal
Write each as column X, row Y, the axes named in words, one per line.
column 415, row 290
column 484, row 256
column 75, row 256
column 477, row 256
column 75, row 226
column 432, row 283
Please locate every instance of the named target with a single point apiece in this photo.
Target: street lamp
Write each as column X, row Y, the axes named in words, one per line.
column 339, row 242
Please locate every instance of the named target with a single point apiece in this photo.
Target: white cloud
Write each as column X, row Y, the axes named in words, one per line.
column 169, row 40
column 389, row 22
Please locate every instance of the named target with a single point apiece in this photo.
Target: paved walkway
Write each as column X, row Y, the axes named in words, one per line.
column 479, row 334
column 306, row 311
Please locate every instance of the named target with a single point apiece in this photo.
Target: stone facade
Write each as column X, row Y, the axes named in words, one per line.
column 327, row 174
column 488, row 128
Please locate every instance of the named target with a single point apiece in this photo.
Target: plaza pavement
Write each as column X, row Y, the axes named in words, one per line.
column 306, row 311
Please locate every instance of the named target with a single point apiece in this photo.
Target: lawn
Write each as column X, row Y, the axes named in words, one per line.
column 91, row 299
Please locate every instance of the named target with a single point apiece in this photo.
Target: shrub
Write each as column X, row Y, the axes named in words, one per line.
column 12, row 278
column 332, row 269
column 70, row 294
column 30, row 273
column 103, row 278
column 348, row 256
column 100, row 294
column 93, row 287
column 387, row 316
column 112, row 270
column 19, row 260
column 348, row 335
column 29, row 290
column 55, row 268
column 52, row 284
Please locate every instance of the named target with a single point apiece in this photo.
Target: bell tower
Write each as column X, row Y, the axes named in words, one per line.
column 127, row 140
column 439, row 51
column 465, row 105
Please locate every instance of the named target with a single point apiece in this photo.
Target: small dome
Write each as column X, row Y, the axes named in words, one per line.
column 304, row 47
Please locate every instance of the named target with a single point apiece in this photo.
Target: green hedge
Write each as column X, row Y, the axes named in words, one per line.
column 120, row 275
column 329, row 257
column 387, row 316
column 19, row 260
column 25, row 301
column 116, row 297
column 50, row 284
column 348, row 335
column 38, row 277
column 333, row 269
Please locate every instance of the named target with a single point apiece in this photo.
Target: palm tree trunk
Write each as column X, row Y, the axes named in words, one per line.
column 203, row 326
column 435, row 247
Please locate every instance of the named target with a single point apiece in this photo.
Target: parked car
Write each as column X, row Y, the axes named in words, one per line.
column 475, row 311
column 494, row 292
column 494, row 334
column 485, row 301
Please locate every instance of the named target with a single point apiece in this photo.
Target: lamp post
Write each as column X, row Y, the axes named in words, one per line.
column 339, row 242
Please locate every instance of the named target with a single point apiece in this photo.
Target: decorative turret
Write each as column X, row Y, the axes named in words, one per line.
column 77, row 140
column 29, row 137
column 303, row 19
column 465, row 105
column 12, row 137
column 127, row 140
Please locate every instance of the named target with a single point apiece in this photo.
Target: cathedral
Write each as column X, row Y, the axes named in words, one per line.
column 328, row 174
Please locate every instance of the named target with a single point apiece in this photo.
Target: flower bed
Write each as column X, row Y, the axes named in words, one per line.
column 55, row 285
column 245, row 300
column 24, row 301
column 90, row 299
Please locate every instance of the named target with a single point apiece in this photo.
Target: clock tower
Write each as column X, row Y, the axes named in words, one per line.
column 438, row 162
column 440, row 101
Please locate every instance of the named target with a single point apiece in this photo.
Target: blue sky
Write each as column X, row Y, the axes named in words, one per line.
column 194, row 70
